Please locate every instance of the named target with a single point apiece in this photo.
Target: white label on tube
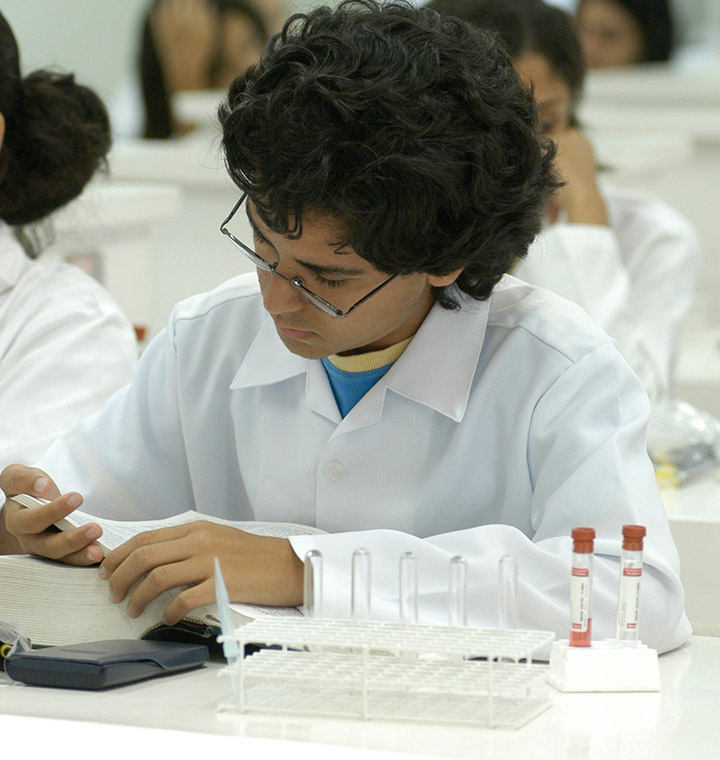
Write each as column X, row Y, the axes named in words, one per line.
column 629, row 600
column 579, row 599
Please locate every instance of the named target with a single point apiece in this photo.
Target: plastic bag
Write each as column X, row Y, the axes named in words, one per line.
column 683, row 442
column 12, row 639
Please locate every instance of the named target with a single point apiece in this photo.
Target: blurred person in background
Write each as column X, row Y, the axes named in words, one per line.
column 628, row 259
column 186, row 45
column 65, row 345
column 615, row 33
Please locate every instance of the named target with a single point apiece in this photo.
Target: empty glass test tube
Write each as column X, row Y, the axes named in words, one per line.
column 507, row 592
column 408, row 588
column 312, row 584
column 631, row 561
column 457, row 592
column 360, row 597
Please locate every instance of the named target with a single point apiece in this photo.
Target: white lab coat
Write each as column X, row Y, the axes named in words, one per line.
column 65, row 348
column 636, row 278
column 501, row 427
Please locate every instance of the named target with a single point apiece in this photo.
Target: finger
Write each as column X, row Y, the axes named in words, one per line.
column 188, row 600
column 88, row 555
column 19, row 478
column 149, row 559
column 75, row 547
column 160, row 579
column 116, row 557
column 30, row 521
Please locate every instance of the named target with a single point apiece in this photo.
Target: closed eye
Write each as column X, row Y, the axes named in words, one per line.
column 330, row 283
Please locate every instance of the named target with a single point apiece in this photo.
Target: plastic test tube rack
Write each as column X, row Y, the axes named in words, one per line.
column 364, row 668
column 369, row 669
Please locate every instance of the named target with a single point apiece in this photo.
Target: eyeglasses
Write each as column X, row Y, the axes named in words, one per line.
column 325, row 306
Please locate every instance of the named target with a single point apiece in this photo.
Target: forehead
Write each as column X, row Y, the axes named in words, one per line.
column 321, row 242
column 604, row 16
column 534, row 69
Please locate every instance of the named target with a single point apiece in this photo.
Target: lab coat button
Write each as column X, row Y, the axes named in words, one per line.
column 333, row 470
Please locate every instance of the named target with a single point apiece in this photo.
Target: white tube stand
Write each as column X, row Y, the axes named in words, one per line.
column 605, row 666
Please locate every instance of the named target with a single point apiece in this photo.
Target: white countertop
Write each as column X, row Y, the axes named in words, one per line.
column 680, row 721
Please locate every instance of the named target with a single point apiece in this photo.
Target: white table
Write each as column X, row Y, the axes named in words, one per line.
column 679, row 722
column 694, row 514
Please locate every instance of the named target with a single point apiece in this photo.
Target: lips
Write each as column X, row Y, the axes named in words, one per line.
column 293, row 333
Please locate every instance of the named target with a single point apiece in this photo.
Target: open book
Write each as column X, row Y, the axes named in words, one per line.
column 57, row 604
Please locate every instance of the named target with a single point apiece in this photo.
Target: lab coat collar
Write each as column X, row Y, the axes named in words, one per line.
column 436, row 369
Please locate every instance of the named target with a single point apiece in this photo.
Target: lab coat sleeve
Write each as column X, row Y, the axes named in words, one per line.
column 129, row 461
column 640, row 296
column 587, row 462
column 63, row 365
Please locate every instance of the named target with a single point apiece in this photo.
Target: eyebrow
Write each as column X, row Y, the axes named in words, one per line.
column 314, row 268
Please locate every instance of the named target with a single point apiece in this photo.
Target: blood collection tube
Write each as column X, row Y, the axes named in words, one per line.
column 630, row 575
column 581, row 587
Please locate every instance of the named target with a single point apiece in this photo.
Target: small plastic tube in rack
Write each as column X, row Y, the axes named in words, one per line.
column 312, row 586
column 408, row 588
column 457, row 592
column 361, row 585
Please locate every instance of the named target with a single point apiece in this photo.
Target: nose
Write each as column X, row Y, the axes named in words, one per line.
column 279, row 296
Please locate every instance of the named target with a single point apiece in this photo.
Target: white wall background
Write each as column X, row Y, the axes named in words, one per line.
column 97, row 39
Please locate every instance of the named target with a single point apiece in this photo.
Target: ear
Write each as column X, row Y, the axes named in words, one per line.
column 442, row 281
column 2, row 130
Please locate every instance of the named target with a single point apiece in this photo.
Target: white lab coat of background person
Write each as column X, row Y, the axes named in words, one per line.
column 65, row 347
column 501, row 427
column 636, row 278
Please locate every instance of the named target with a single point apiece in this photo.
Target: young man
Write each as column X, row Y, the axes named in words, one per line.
column 384, row 382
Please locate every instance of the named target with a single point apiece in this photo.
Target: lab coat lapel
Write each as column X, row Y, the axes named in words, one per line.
column 268, row 362
column 435, row 370
column 438, row 367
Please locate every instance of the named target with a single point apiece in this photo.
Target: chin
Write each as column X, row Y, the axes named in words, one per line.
column 304, row 350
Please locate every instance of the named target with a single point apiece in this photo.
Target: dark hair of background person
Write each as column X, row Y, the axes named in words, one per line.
column 527, row 26
column 158, row 122
column 57, row 135
column 655, row 19
column 411, row 128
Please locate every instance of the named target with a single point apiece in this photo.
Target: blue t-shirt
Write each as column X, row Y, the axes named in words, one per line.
column 349, row 387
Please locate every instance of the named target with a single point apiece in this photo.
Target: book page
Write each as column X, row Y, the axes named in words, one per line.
column 117, row 532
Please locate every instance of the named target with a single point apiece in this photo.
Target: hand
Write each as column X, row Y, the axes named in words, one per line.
column 256, row 569
column 31, row 531
column 185, row 35
column 580, row 196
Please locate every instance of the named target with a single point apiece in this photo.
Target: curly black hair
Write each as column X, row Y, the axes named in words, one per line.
column 57, row 135
column 411, row 129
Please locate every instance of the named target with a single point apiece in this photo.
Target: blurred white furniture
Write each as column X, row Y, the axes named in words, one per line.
column 188, row 253
column 694, row 513
column 109, row 231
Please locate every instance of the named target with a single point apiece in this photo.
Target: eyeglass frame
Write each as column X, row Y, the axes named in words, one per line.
column 320, row 303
